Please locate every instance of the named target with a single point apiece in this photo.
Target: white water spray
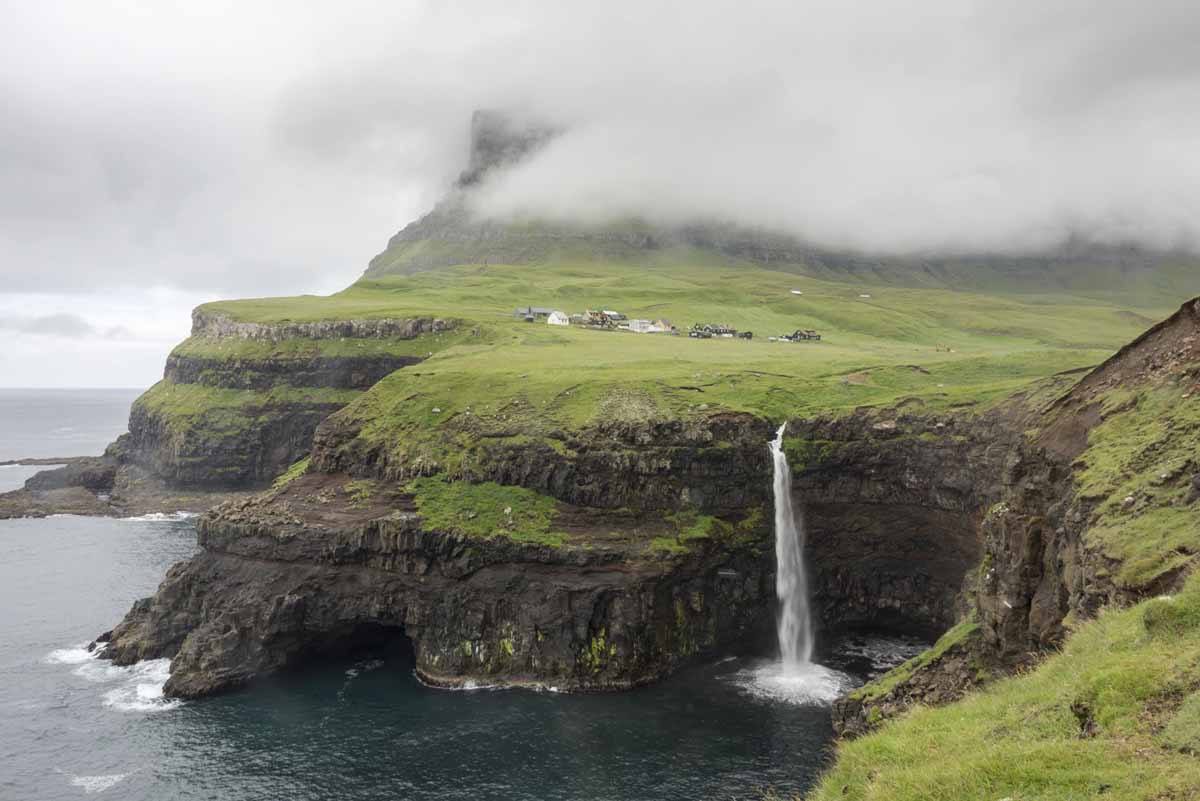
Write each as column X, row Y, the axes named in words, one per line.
column 794, row 628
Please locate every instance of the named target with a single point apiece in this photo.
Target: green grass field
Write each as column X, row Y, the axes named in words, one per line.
column 944, row 347
column 930, row 347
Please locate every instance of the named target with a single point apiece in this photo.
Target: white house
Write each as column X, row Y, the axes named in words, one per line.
column 797, row 292
column 641, row 326
column 558, row 318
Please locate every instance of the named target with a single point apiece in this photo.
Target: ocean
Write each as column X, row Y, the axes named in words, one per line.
column 74, row 727
column 47, row 423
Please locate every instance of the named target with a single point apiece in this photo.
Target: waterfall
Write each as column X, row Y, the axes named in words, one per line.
column 794, row 627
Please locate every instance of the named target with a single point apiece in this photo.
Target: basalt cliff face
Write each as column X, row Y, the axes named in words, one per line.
column 330, row 559
column 239, row 401
column 893, row 505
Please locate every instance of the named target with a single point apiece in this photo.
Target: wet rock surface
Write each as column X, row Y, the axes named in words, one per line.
column 282, row 578
column 893, row 516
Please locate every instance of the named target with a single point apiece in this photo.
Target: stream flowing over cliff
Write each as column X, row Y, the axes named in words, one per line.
column 794, row 627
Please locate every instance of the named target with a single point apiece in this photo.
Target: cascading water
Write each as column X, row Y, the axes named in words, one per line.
column 794, row 627
column 795, row 678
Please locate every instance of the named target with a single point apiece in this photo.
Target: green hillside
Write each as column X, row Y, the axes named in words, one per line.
column 934, row 347
column 1115, row 715
column 450, row 236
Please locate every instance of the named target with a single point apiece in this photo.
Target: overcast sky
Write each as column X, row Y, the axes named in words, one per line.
column 156, row 155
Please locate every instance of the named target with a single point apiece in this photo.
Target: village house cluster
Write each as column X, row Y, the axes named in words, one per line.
column 602, row 319
column 610, row 320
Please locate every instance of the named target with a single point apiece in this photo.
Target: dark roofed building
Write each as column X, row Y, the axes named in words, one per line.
column 533, row 313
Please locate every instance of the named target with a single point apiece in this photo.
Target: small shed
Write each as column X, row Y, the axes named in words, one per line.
column 558, row 318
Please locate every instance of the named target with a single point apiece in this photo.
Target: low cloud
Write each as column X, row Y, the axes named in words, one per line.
column 947, row 126
column 71, row 326
column 181, row 146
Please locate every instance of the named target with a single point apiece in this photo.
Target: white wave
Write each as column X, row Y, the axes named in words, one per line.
column 159, row 517
column 97, row 784
column 74, row 656
column 101, row 671
column 142, row 690
column 805, row 685
column 140, row 686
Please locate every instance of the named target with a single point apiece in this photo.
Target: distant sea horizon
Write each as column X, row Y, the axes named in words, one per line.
column 51, row 423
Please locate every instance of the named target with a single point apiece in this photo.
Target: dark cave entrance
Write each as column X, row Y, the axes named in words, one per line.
column 353, row 643
column 889, row 568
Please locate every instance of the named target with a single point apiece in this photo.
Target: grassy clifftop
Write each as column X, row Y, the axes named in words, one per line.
column 946, row 347
column 499, row 378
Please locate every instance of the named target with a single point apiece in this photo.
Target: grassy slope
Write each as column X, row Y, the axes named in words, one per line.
column 1112, row 716
column 1145, row 450
column 182, row 404
column 870, row 344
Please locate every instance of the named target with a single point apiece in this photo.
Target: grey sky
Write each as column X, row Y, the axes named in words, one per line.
column 164, row 154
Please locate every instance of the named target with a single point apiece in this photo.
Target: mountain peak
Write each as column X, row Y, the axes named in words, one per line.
column 500, row 138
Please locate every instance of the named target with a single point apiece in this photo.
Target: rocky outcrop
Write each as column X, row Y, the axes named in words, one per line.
column 93, row 474
column 304, row 568
column 240, row 449
column 948, row 671
column 284, row 576
column 335, row 372
column 223, row 442
column 104, row 487
column 500, row 139
column 214, row 325
column 715, row 465
column 892, row 508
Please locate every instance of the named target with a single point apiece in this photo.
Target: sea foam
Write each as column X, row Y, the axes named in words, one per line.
column 139, row 686
column 159, row 517
column 97, row 784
